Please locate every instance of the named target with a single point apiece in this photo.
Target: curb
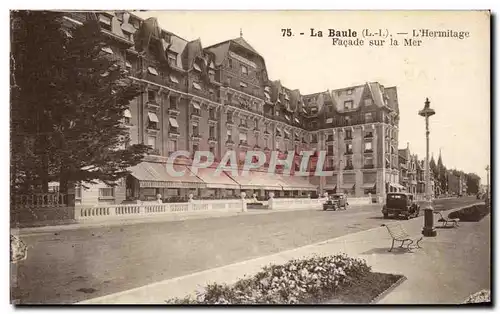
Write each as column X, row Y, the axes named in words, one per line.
column 389, row 290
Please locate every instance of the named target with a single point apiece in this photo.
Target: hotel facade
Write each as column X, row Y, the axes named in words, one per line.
column 219, row 99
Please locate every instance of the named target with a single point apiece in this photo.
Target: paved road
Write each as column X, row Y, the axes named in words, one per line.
column 74, row 265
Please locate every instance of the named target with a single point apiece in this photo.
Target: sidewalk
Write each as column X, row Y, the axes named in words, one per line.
column 447, row 269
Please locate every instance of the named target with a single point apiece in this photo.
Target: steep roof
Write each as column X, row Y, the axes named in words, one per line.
column 242, row 42
column 192, row 50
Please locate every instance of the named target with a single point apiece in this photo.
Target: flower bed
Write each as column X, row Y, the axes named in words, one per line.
column 473, row 213
column 314, row 280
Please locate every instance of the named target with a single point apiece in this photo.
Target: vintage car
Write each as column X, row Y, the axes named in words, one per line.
column 400, row 204
column 336, row 201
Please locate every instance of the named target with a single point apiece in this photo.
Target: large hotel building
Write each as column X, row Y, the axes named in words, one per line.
column 219, row 98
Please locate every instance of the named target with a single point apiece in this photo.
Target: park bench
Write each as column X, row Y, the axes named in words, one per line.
column 446, row 221
column 399, row 234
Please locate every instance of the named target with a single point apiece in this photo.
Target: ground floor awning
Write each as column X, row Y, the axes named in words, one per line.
column 256, row 180
column 296, row 183
column 155, row 175
column 347, row 186
column 368, row 186
column 219, row 180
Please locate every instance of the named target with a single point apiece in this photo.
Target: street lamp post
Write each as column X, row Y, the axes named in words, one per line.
column 428, row 230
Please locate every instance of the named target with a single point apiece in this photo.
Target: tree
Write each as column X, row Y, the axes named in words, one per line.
column 72, row 95
column 473, row 181
column 442, row 177
column 433, row 168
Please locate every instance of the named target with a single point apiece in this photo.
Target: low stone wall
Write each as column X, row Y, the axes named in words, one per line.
column 92, row 213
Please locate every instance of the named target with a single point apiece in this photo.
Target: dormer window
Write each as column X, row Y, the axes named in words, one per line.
column 329, row 120
column 128, row 65
column 368, row 102
column 243, row 85
column 127, row 116
column 211, row 74
column 196, row 67
column 349, row 92
column 297, row 120
column 287, row 97
column 172, row 59
column 105, row 22
column 348, row 105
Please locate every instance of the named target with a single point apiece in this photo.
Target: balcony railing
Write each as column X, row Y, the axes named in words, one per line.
column 369, row 135
column 368, row 166
column 173, row 131
column 368, row 150
column 243, row 126
column 348, row 168
column 330, row 138
column 349, row 152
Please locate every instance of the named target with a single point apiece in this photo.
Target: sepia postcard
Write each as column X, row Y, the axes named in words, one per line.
column 250, row 157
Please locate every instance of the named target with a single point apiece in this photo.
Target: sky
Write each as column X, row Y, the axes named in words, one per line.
column 454, row 74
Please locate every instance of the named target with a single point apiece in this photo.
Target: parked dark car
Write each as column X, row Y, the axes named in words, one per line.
column 336, row 201
column 400, row 204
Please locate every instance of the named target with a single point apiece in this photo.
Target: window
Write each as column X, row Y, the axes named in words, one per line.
column 196, row 131
column 211, row 75
column 368, row 102
column 243, row 137
column 152, row 141
column 211, row 131
column 348, row 105
column 348, row 163
column 171, row 146
column 211, row 113
column 106, row 193
column 173, row 102
column 256, row 122
column 347, row 120
column 329, row 120
column 229, row 135
column 195, row 147
column 297, row 120
column 244, row 70
column 349, row 92
column 172, row 59
column 242, row 84
column 368, row 147
column 330, row 150
column 277, row 113
column 368, row 134
column 151, row 96
column 368, row 161
column 330, row 108
column 287, row 117
column 348, row 134
column 127, row 116
column 153, row 121
column 152, row 71
column 229, row 117
column 268, row 97
column 128, row 65
column 174, row 126
column 196, row 67
column 368, row 117
column 386, row 102
column 212, row 150
column 314, row 138
column 230, row 63
column 229, row 98
column 196, row 109
column 348, row 148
